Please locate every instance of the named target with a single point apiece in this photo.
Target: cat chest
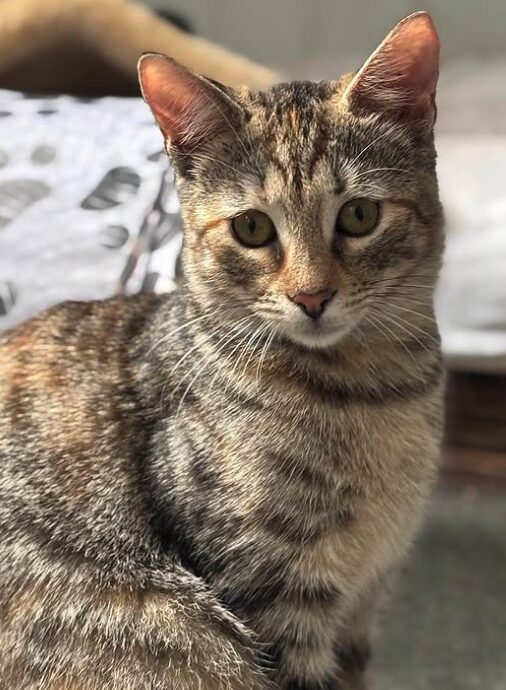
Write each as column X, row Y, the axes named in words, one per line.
column 344, row 509
column 308, row 549
column 277, row 511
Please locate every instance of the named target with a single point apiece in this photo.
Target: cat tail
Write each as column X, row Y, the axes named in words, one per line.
column 133, row 29
column 120, row 31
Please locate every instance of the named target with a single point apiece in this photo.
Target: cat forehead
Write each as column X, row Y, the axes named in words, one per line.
column 302, row 122
column 300, row 95
column 298, row 141
column 296, row 107
column 302, row 137
column 291, row 128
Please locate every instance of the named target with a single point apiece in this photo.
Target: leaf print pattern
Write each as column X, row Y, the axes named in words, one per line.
column 116, row 187
column 43, row 154
column 114, row 236
column 18, row 195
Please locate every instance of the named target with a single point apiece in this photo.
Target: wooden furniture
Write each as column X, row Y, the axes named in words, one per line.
column 475, row 435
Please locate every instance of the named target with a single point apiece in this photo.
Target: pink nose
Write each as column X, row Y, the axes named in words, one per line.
column 313, row 304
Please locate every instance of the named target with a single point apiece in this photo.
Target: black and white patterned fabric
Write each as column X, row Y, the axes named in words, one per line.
column 87, row 202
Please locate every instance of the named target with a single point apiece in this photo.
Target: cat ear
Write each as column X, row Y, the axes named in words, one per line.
column 192, row 112
column 400, row 77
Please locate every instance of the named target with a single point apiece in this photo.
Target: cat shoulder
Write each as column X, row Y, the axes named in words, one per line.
column 70, row 351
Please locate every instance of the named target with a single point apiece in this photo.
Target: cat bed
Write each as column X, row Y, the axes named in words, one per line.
column 471, row 298
column 91, row 48
column 82, row 215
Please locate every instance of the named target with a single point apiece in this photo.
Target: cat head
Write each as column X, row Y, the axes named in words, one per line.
column 311, row 207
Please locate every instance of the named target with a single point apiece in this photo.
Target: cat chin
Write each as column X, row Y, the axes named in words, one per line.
column 318, row 339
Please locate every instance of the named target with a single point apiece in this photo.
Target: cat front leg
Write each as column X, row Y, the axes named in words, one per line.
column 352, row 646
column 353, row 659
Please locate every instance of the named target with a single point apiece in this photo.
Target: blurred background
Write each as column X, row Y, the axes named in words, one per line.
column 88, row 209
column 291, row 33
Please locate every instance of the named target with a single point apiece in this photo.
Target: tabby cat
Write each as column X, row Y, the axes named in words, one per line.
column 210, row 489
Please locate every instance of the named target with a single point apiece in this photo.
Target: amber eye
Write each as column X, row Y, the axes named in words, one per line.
column 253, row 229
column 358, row 217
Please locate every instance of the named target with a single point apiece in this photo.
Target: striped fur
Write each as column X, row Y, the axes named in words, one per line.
column 203, row 490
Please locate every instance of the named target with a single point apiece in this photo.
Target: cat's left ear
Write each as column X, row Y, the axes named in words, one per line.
column 192, row 112
column 400, row 77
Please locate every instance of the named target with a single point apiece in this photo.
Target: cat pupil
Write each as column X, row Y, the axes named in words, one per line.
column 251, row 224
column 359, row 213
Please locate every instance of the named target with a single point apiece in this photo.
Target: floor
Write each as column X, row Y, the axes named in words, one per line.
column 446, row 627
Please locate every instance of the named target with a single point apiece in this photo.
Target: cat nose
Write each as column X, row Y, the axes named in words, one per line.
column 314, row 303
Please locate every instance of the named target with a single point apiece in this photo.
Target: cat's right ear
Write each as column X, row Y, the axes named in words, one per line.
column 192, row 112
column 399, row 79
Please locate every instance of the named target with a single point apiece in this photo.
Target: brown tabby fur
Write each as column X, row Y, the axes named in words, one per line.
column 193, row 497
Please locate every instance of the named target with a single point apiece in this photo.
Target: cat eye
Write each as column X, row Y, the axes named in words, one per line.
column 358, row 217
column 253, row 229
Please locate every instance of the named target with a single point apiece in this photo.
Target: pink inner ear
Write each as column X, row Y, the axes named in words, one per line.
column 192, row 112
column 401, row 75
column 170, row 93
column 417, row 48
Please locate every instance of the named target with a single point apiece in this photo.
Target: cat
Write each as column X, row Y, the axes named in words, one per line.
column 211, row 489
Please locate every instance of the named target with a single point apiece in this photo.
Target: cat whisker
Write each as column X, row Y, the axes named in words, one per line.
column 386, row 133
column 395, row 320
column 262, row 356
column 395, row 293
column 228, row 337
column 208, row 315
column 386, row 331
column 262, row 332
column 431, row 319
column 426, row 334
column 196, row 346
column 219, row 369
column 168, row 382
column 188, row 353
column 246, row 345
column 409, row 285
column 416, row 287
column 256, row 335
column 242, row 343
column 212, row 159
column 409, row 300
column 273, row 314
column 409, row 276
column 374, row 170
column 186, row 324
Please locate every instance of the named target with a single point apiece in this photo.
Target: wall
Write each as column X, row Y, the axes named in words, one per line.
column 287, row 32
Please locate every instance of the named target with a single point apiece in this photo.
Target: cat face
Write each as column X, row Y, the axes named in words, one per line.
column 307, row 205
